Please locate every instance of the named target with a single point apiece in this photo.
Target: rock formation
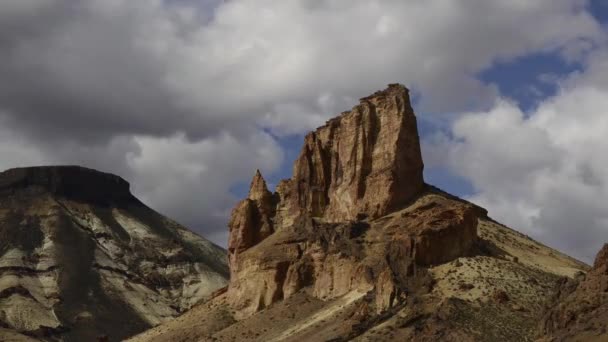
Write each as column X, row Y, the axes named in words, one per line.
column 252, row 219
column 82, row 258
column 580, row 308
column 358, row 167
column 364, row 163
column 355, row 246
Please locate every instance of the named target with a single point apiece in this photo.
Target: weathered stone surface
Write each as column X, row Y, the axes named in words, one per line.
column 580, row 307
column 364, row 163
column 252, row 219
column 80, row 256
column 600, row 265
column 359, row 167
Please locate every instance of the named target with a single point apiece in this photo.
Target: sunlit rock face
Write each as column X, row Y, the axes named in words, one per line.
column 356, row 247
column 80, row 257
column 363, row 163
column 357, row 168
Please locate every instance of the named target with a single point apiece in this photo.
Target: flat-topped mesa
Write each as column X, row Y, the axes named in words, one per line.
column 80, row 256
column 364, row 163
column 67, row 181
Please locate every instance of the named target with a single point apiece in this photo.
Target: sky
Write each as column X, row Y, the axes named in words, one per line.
column 186, row 99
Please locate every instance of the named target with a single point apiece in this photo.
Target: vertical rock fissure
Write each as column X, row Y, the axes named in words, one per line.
column 370, row 136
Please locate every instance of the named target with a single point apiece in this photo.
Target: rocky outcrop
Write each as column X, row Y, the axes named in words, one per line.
column 580, row 307
column 80, row 257
column 355, row 247
column 342, row 223
column 600, row 266
column 252, row 219
column 364, row 163
column 435, row 233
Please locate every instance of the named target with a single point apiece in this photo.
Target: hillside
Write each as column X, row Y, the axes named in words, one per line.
column 82, row 258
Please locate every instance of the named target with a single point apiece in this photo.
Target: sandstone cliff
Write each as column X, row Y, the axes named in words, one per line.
column 355, row 246
column 359, row 166
column 80, row 257
column 364, row 163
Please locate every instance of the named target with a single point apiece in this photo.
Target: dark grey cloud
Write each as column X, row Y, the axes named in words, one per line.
column 73, row 68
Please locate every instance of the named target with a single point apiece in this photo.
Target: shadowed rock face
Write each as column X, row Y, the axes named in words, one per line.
column 80, row 257
column 580, row 310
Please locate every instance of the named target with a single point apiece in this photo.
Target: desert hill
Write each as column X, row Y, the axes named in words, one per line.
column 356, row 246
column 82, row 258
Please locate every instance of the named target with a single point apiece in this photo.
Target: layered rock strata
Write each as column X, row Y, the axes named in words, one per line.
column 82, row 258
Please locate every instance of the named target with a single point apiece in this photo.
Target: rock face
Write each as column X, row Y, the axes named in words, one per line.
column 345, row 163
column 80, row 257
column 251, row 220
column 580, row 308
column 359, row 167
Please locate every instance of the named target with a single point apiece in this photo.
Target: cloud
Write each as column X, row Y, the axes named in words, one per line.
column 545, row 172
column 126, row 86
column 170, row 170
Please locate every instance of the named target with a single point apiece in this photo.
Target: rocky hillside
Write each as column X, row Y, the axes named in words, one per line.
column 355, row 246
column 579, row 311
column 81, row 258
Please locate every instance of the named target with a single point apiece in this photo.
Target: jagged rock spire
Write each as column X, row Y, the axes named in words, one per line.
column 258, row 189
column 251, row 220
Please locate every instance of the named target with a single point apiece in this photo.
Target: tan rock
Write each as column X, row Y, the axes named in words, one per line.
column 364, row 163
column 355, row 247
column 331, row 261
column 359, row 167
column 437, row 234
column 251, row 220
column 580, row 309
